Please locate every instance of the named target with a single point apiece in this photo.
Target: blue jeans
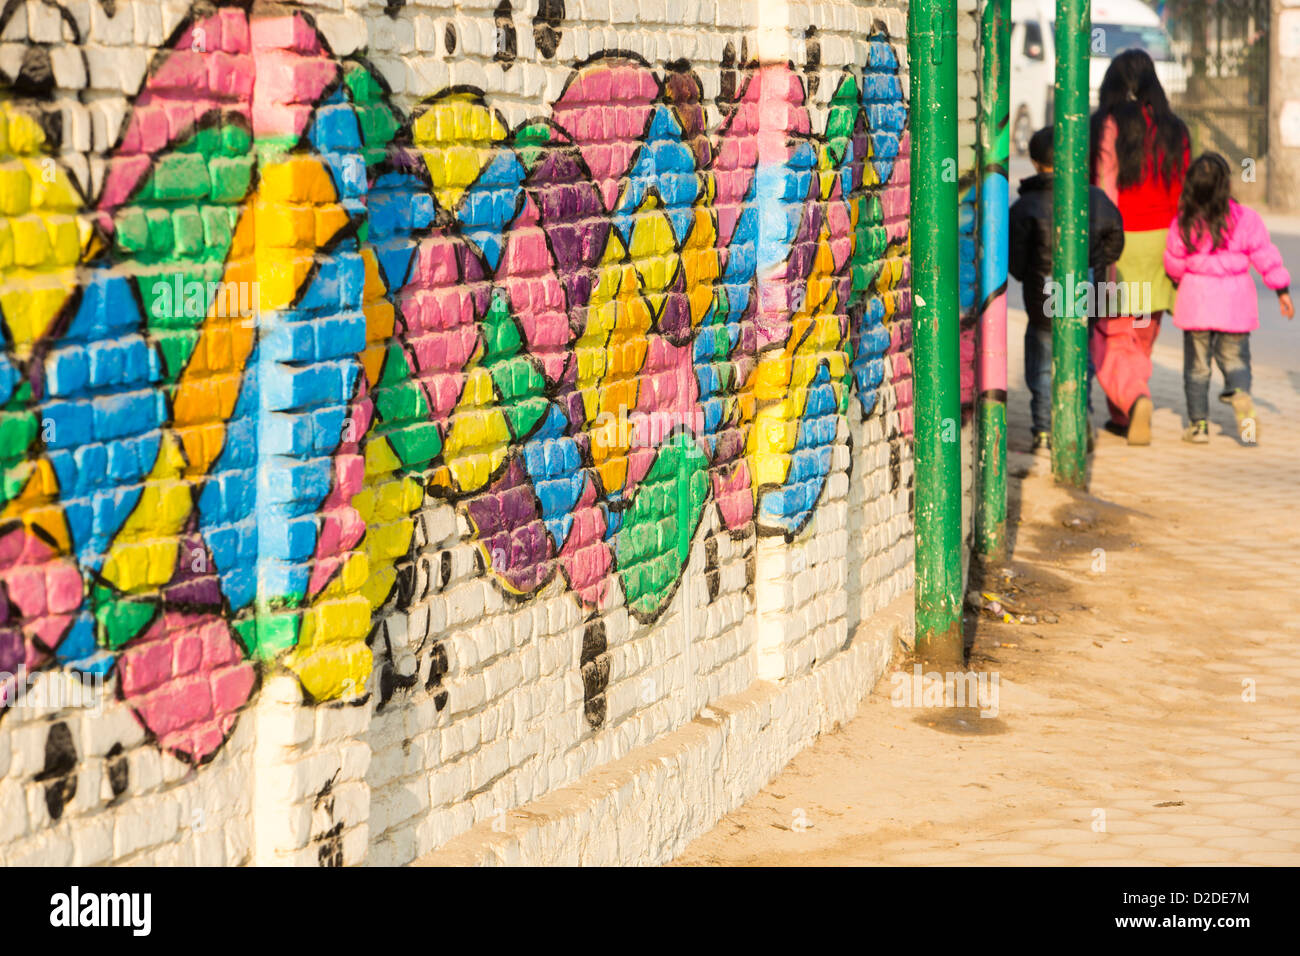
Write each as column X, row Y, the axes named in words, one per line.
column 1230, row 351
column 1038, row 376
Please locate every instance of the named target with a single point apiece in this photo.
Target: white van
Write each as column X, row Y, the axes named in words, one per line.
column 1117, row 25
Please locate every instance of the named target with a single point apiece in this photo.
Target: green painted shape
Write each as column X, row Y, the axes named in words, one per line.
column 230, row 178
column 174, row 326
column 180, row 176
column 403, row 413
column 131, row 232
column 520, row 385
column 269, row 635
column 841, row 117
column 268, row 149
column 176, row 347
column 416, row 444
column 12, row 481
column 17, row 431
column 502, row 337
column 362, row 86
column 121, row 619
column 531, row 142
column 871, row 241
column 377, row 121
column 21, row 397
column 398, row 397
column 652, row 546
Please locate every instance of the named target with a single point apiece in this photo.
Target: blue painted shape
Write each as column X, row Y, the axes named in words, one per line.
column 868, row 366
column 79, row 652
column 67, row 371
column 553, row 463
column 229, row 497
column 489, row 204
column 395, row 260
column 788, row 506
column 665, row 164
column 993, row 235
column 780, row 191
column 108, row 309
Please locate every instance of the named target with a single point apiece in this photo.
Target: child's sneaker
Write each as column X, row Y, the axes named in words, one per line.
column 1244, row 408
column 1198, row 432
column 1042, row 443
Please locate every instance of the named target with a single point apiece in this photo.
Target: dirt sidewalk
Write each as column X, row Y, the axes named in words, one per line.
column 1155, row 721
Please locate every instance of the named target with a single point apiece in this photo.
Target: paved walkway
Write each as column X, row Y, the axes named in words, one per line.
column 1156, row 721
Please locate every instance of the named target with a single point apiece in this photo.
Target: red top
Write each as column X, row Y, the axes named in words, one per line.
column 1152, row 203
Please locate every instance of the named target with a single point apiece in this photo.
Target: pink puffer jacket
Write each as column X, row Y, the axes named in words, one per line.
column 1215, row 290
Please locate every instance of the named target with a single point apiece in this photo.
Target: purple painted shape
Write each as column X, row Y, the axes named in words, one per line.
column 508, row 524
column 473, row 273
column 575, row 223
column 803, row 251
column 12, row 652
column 675, row 320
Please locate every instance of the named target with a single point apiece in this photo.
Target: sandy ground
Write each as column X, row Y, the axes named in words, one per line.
column 1156, row 721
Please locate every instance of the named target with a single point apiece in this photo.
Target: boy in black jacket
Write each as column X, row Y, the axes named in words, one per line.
column 1030, row 261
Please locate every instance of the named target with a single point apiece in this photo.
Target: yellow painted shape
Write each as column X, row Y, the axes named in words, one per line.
column 30, row 301
column 24, row 133
column 294, row 180
column 331, row 659
column 143, row 553
column 35, row 506
column 457, row 135
column 783, row 376
column 700, row 263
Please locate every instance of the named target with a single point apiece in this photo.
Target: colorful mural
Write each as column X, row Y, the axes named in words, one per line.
column 293, row 316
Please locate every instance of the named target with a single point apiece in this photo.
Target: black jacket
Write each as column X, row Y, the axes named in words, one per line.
column 1030, row 253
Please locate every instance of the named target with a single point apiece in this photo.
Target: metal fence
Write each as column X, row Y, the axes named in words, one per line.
column 1223, row 45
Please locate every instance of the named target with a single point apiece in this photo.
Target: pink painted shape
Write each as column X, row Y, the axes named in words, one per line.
column 732, row 490
column 586, row 557
column 287, row 32
column 341, row 526
column 840, row 227
column 992, row 366
column 605, row 108
column 181, row 72
column 186, row 680
column 26, row 587
column 737, row 159
column 967, row 364
column 273, row 89
column 667, row 400
column 536, row 297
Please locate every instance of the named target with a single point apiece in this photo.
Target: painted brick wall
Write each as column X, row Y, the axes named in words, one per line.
column 407, row 408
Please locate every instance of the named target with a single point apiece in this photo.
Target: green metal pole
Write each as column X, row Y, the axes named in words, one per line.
column 991, row 367
column 1070, row 235
column 932, row 66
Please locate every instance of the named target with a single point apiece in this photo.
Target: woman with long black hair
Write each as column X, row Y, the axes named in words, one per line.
column 1140, row 153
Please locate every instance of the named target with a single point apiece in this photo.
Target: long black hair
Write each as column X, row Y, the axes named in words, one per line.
column 1204, row 204
column 1149, row 134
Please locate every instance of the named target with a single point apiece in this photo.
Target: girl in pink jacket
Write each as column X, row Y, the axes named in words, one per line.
column 1211, row 246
